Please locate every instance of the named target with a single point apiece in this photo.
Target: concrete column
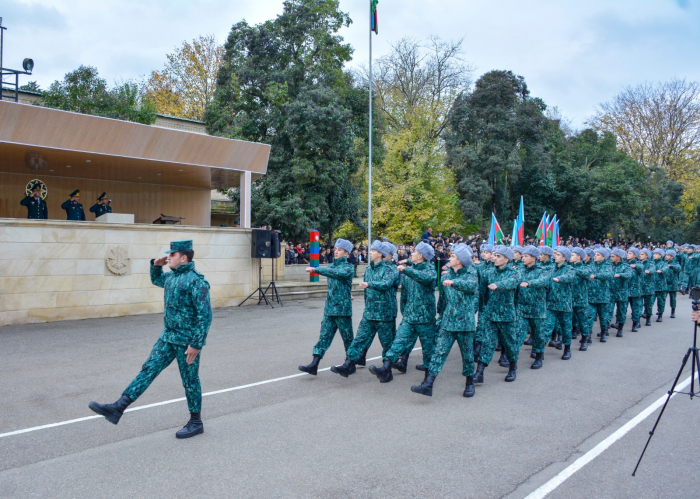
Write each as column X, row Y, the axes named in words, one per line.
column 245, row 199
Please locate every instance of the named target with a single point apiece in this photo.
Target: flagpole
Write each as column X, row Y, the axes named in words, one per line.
column 369, row 207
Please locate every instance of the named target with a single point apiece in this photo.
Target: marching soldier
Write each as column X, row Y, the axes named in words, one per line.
column 599, row 292
column 672, row 279
column 337, row 314
column 36, row 207
column 662, row 271
column 482, row 268
column 187, row 319
column 102, row 206
column 634, row 286
column 579, row 295
column 456, row 322
column 531, row 303
column 559, row 300
column 648, row 284
column 390, row 250
column 619, row 294
column 74, row 210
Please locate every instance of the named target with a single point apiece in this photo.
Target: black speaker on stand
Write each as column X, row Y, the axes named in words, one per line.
column 265, row 244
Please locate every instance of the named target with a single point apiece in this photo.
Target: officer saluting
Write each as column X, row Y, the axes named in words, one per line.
column 36, row 207
column 74, row 210
column 102, row 206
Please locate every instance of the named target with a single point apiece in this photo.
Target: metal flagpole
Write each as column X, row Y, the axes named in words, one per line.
column 369, row 208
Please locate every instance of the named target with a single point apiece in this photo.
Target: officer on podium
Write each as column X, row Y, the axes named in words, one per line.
column 36, row 207
column 102, row 206
column 74, row 210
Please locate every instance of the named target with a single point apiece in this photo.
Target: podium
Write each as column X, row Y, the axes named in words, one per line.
column 116, row 218
column 166, row 220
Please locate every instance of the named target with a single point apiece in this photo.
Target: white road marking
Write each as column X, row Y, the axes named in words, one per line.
column 165, row 402
column 589, row 456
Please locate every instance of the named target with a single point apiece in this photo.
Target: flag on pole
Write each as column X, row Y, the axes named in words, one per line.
column 495, row 234
column 520, row 223
column 540, row 228
column 551, row 232
column 556, row 227
column 373, row 16
column 514, row 238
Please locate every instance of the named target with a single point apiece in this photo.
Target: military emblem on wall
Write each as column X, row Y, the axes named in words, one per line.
column 37, row 183
column 35, row 161
column 118, row 261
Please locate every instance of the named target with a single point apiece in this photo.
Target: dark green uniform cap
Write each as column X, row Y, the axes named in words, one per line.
column 75, row 193
column 102, row 196
column 179, row 246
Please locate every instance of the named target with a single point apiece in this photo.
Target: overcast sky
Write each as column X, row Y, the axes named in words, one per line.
column 573, row 54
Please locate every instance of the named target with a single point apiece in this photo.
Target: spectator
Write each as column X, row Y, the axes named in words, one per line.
column 428, row 234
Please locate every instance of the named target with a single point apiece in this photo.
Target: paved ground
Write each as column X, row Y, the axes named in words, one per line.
column 327, row 436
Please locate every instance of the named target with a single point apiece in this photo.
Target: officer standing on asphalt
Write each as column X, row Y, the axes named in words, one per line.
column 36, row 207
column 74, row 210
column 187, row 317
column 337, row 314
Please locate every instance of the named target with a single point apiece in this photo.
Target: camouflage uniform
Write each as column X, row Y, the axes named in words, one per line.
column 532, row 306
column 649, row 286
column 661, row 286
column 599, row 293
column 683, row 261
column 672, row 281
column 559, row 301
column 337, row 314
column 499, row 313
column 634, row 289
column 691, row 268
column 187, row 317
column 619, row 291
column 579, row 297
column 457, row 323
column 377, row 318
column 483, row 269
column 418, row 310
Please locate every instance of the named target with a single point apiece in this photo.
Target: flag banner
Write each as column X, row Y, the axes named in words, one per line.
column 521, row 223
column 373, row 16
column 515, row 238
column 540, row 228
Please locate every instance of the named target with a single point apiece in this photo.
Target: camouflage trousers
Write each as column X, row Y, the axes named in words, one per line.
column 563, row 320
column 331, row 324
column 161, row 357
column 661, row 301
column 621, row 314
column 672, row 298
column 504, row 333
column 648, row 304
column 636, row 304
column 683, row 280
column 539, row 336
column 602, row 310
column 579, row 319
column 406, row 336
column 443, row 344
column 365, row 336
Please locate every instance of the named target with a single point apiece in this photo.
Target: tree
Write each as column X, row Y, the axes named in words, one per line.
column 187, row 83
column 83, row 91
column 31, row 86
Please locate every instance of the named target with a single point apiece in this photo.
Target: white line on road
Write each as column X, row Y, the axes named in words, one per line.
column 165, row 402
column 601, row 447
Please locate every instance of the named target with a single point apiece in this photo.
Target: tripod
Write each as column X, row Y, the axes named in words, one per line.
column 260, row 291
column 274, row 294
column 694, row 365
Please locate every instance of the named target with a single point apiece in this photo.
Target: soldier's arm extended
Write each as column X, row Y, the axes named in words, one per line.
column 567, row 277
column 665, row 269
column 603, row 273
column 425, row 277
column 339, row 272
column 509, row 283
column 385, row 281
column 675, row 267
column 467, row 283
column 541, row 281
column 202, row 320
column 157, row 275
column 626, row 273
column 584, row 272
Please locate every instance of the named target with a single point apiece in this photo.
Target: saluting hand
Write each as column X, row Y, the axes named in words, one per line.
column 159, row 262
column 191, row 354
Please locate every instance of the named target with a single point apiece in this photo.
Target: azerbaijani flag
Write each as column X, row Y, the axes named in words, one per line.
column 496, row 234
column 520, row 223
column 373, row 16
column 556, row 227
column 551, row 232
column 541, row 229
column 514, row 238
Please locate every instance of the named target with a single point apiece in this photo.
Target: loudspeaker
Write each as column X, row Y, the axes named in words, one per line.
column 275, row 244
column 261, row 244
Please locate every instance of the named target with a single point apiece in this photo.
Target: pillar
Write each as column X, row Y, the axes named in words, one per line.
column 245, row 200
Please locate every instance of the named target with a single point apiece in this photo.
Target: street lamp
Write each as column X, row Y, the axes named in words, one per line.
column 27, row 65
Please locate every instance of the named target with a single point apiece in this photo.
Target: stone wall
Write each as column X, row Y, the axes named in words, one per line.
column 58, row 270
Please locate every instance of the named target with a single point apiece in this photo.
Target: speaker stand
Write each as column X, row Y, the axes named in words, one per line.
column 271, row 288
column 260, row 291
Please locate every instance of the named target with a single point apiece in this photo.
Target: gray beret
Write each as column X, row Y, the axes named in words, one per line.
column 634, row 251
column 546, row 250
column 579, row 251
column 389, row 248
column 660, row 251
column 344, row 244
column 669, row 242
column 620, row 252
column 603, row 251
column 517, row 248
column 504, row 250
column 378, row 246
column 590, row 252
column 564, row 251
column 464, row 254
column 691, row 246
column 672, row 253
column 426, row 250
column 646, row 251
column 531, row 250
column 486, row 247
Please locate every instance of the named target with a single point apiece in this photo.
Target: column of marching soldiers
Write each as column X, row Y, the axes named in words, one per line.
column 529, row 295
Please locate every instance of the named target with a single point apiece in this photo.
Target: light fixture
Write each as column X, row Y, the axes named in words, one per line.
column 28, row 65
column 140, row 178
column 157, row 173
column 50, row 170
column 88, row 161
column 67, row 166
column 182, row 170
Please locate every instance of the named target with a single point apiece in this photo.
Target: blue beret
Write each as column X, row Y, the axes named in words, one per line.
column 486, row 247
column 426, row 250
column 389, row 248
column 671, row 252
column 531, row 250
column 634, row 251
column 464, row 254
column 546, row 250
column 344, row 244
column 564, row 251
column 646, row 251
column 579, row 251
column 620, row 252
column 179, row 246
column 378, row 246
column 504, row 250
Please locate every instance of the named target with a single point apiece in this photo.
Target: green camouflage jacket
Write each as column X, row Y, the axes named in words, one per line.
column 649, row 280
column 599, row 285
column 634, row 283
column 673, row 275
column 500, row 304
column 618, row 285
column 187, row 312
column 660, row 279
column 579, row 290
column 531, row 301
column 483, row 269
column 380, row 292
column 455, row 304
column 339, row 274
column 418, row 293
column 396, row 276
column 559, row 298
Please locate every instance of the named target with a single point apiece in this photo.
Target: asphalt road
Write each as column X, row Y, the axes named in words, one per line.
column 327, row 436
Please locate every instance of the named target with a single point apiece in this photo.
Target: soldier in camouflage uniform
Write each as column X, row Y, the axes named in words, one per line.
column 672, row 279
column 187, row 317
column 378, row 317
column 531, row 304
column 692, row 265
column 682, row 256
column 634, row 286
column 499, row 313
column 662, row 271
column 402, row 363
column 579, row 295
column 418, row 309
column 484, row 267
column 559, row 299
column 619, row 294
column 599, row 291
column 456, row 320
column 337, row 314
column 648, row 283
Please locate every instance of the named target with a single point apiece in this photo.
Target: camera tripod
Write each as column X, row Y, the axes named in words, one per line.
column 263, row 293
column 694, row 371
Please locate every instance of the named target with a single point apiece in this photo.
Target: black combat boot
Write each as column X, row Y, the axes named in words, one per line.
column 511, row 372
column 113, row 412
column 313, row 367
column 648, row 322
column 619, row 331
column 503, row 360
column 383, row 373
column 346, row 369
column 401, row 364
column 539, row 357
column 528, row 341
column 584, row 344
column 603, row 335
column 574, row 333
column 660, row 318
column 635, row 326
column 426, row 387
column 673, row 313
column 193, row 427
column 645, row 315
column 558, row 343
column 498, row 347
column 479, row 373
column 477, row 350
column 533, row 355
column 589, row 340
column 552, row 340
column 362, row 361
column 469, row 387
column 567, row 352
